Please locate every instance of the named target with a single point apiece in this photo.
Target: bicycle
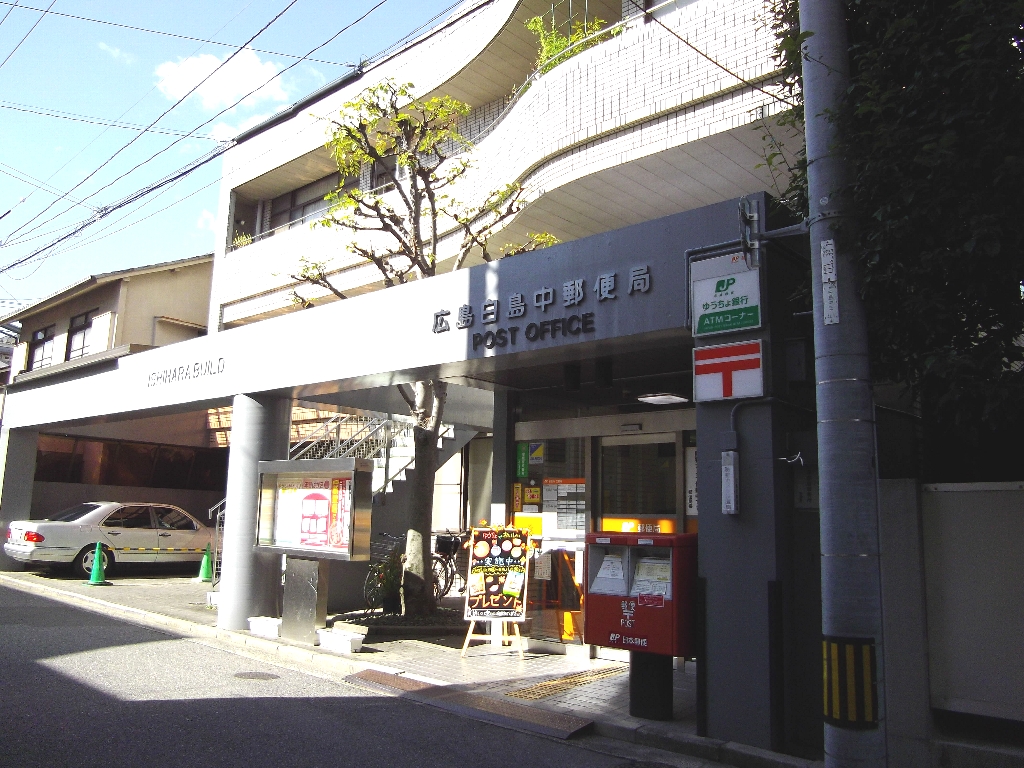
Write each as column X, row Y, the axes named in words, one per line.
column 446, row 549
column 384, row 578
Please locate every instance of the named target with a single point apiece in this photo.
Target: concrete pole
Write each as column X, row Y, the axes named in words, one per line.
column 250, row 581
column 17, row 473
column 850, row 569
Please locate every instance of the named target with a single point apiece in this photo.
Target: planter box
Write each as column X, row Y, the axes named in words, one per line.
column 265, row 626
column 339, row 642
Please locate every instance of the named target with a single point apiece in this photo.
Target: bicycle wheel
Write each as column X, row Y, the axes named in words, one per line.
column 373, row 587
column 442, row 580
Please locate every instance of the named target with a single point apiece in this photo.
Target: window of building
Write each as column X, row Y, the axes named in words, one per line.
column 95, row 461
column 40, row 348
column 382, row 174
column 304, row 204
column 78, row 334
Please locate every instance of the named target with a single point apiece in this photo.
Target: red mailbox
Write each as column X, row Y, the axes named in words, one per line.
column 641, row 592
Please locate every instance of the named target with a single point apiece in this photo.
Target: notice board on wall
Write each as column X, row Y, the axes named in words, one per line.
column 496, row 588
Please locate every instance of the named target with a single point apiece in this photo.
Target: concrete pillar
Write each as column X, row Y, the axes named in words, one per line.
column 250, row 581
column 503, row 462
column 737, row 557
column 17, row 473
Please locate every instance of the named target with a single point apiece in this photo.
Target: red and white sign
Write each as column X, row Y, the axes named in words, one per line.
column 727, row 371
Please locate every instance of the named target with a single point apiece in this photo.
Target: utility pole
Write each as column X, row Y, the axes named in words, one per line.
column 851, row 605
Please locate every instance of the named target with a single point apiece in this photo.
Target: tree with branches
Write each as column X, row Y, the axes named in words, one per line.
column 416, row 154
column 931, row 129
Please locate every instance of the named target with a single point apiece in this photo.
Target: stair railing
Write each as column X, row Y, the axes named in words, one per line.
column 446, row 431
column 318, row 436
column 216, row 515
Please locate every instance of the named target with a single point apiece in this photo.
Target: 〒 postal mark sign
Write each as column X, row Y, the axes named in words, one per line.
column 727, row 371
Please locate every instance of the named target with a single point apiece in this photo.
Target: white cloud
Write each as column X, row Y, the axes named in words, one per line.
column 242, row 74
column 226, row 132
column 118, row 54
column 206, row 221
column 320, row 77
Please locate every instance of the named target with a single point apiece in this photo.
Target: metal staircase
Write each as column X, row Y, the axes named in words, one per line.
column 386, row 440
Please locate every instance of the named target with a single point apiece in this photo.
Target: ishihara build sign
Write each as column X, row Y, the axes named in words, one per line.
column 727, row 371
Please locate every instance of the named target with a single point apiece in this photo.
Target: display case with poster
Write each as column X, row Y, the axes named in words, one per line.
column 316, row 508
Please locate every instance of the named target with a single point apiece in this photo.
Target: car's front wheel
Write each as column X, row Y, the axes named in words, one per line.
column 84, row 561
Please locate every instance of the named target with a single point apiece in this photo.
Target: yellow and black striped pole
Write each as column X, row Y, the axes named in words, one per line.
column 850, row 693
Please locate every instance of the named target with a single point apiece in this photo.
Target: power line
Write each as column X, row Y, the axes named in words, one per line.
column 96, row 138
column 158, row 119
column 232, row 106
column 649, row 13
column 158, row 32
column 327, row 42
column 14, row 173
column 9, row 10
column 106, row 210
column 47, row 112
column 26, row 35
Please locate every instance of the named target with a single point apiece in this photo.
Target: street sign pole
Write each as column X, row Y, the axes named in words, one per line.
column 854, row 675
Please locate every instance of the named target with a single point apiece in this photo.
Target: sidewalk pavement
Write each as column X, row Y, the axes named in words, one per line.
column 544, row 693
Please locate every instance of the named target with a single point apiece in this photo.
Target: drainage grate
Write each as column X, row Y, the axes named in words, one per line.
column 567, row 683
column 256, row 676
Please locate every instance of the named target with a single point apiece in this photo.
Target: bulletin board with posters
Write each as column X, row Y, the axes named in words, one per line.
column 496, row 588
column 316, row 508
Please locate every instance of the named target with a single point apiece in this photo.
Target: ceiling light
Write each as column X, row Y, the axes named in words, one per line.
column 663, row 398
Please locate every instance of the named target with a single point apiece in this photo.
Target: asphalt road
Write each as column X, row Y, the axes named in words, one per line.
column 80, row 689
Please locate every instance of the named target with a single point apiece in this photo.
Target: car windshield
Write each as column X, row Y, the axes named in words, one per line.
column 74, row 513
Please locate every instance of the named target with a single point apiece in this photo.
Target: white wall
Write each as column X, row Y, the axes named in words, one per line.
column 974, row 569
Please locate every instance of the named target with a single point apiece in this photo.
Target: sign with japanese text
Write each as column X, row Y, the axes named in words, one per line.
column 727, row 371
column 314, row 512
column 567, row 309
column 522, row 460
column 727, row 303
column 496, row 589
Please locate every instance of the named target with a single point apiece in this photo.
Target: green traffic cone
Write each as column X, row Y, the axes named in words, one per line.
column 205, row 568
column 96, row 578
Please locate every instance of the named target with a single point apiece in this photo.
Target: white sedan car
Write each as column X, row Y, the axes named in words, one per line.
column 129, row 532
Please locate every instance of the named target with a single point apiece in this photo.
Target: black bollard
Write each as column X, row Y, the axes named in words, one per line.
column 650, row 685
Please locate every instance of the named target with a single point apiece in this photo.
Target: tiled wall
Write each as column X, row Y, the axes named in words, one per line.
column 642, row 92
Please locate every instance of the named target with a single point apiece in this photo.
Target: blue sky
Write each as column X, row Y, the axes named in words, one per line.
column 100, row 72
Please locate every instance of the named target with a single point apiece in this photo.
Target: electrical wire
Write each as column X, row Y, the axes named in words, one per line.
column 162, row 115
column 30, row 31
column 21, row 176
column 158, row 32
column 47, row 112
column 106, row 210
column 96, row 138
column 123, row 202
column 232, row 106
column 155, row 155
column 9, row 10
column 650, row 14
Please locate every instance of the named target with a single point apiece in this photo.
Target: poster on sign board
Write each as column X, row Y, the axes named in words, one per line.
column 314, row 513
column 496, row 589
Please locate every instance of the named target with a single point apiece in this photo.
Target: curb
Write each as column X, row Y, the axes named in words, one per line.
column 726, row 752
column 653, row 736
